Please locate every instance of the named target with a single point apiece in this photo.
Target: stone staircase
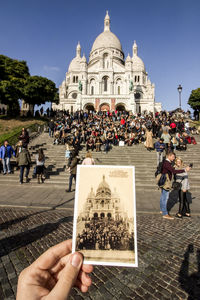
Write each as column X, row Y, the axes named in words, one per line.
column 143, row 160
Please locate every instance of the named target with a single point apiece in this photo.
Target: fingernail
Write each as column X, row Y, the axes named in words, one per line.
column 76, row 260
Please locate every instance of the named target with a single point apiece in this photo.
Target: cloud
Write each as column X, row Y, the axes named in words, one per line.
column 51, row 69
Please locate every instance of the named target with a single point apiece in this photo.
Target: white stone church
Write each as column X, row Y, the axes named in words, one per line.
column 107, row 81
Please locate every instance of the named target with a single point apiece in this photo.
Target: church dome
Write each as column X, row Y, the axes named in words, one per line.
column 75, row 64
column 107, row 39
column 138, row 64
column 103, row 186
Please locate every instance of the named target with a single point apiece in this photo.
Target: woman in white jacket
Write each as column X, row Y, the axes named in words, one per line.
column 182, row 178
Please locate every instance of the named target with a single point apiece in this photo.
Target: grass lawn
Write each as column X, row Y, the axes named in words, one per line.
column 11, row 128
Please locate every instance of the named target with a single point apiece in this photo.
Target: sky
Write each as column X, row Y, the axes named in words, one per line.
column 45, row 34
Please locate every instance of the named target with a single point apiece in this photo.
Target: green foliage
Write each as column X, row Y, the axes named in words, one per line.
column 194, row 99
column 38, row 90
column 13, row 74
column 16, row 83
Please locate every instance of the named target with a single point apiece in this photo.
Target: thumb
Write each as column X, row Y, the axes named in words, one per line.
column 67, row 279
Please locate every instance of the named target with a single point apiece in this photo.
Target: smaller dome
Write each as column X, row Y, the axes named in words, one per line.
column 128, row 59
column 138, row 64
column 75, row 64
column 83, row 59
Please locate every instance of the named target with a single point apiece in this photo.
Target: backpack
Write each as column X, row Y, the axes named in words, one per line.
column 160, row 178
column 159, row 169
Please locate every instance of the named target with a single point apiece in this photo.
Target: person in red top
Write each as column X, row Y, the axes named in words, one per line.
column 173, row 127
column 168, row 169
column 122, row 121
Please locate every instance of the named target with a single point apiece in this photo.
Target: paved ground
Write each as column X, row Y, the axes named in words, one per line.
column 169, row 255
column 34, row 217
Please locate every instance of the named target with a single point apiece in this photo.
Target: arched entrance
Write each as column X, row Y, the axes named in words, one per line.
column 104, row 107
column 120, row 107
column 95, row 215
column 89, row 107
column 109, row 215
column 102, row 215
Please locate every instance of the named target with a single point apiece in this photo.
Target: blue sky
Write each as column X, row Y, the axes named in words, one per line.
column 45, row 34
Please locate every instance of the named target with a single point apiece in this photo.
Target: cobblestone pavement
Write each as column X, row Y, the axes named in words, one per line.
column 169, row 255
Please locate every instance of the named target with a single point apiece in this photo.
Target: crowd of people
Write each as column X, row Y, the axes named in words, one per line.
column 105, row 234
column 99, row 131
column 23, row 158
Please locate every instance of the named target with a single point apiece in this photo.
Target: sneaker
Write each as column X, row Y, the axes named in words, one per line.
column 4, row 173
column 20, row 182
column 168, row 217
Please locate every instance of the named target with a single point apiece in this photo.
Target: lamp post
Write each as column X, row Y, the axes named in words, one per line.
column 179, row 90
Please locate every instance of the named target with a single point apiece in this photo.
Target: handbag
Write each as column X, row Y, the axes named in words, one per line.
column 176, row 185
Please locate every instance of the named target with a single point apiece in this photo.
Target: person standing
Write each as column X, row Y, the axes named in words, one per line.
column 24, row 137
column 159, row 146
column 51, row 128
column 149, row 139
column 182, row 178
column 40, row 160
column 72, row 168
column 169, row 171
column 6, row 152
column 24, row 162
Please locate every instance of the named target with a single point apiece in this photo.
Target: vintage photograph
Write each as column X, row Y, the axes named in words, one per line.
column 105, row 215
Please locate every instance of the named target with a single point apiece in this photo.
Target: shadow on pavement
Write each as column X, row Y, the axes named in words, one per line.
column 6, row 224
column 190, row 283
column 29, row 236
column 173, row 199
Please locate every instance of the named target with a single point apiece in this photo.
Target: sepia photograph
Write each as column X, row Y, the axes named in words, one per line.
column 105, row 215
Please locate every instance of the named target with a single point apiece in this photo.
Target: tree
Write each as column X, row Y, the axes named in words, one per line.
column 194, row 99
column 13, row 74
column 38, row 90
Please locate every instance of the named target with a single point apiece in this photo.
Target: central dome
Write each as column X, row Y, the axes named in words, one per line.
column 107, row 39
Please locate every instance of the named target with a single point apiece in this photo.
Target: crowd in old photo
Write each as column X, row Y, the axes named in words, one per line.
column 105, row 234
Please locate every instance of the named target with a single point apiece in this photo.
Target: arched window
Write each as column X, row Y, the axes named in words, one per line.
column 118, row 90
column 92, row 85
column 74, row 79
column 118, row 86
column 105, row 83
column 138, row 79
column 135, row 78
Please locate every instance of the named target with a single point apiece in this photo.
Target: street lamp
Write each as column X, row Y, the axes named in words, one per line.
column 179, row 90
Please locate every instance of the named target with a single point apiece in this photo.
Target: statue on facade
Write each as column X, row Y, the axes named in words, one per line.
column 131, row 86
column 80, row 86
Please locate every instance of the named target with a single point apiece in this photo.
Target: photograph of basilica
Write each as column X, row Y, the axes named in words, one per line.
column 107, row 81
column 104, row 224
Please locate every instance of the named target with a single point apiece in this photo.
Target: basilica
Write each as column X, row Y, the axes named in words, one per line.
column 103, row 204
column 108, row 81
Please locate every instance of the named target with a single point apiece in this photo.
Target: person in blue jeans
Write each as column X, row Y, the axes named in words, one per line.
column 24, row 163
column 6, row 152
column 168, row 169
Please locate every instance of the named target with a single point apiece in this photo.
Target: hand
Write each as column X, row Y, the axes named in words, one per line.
column 53, row 275
column 187, row 169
